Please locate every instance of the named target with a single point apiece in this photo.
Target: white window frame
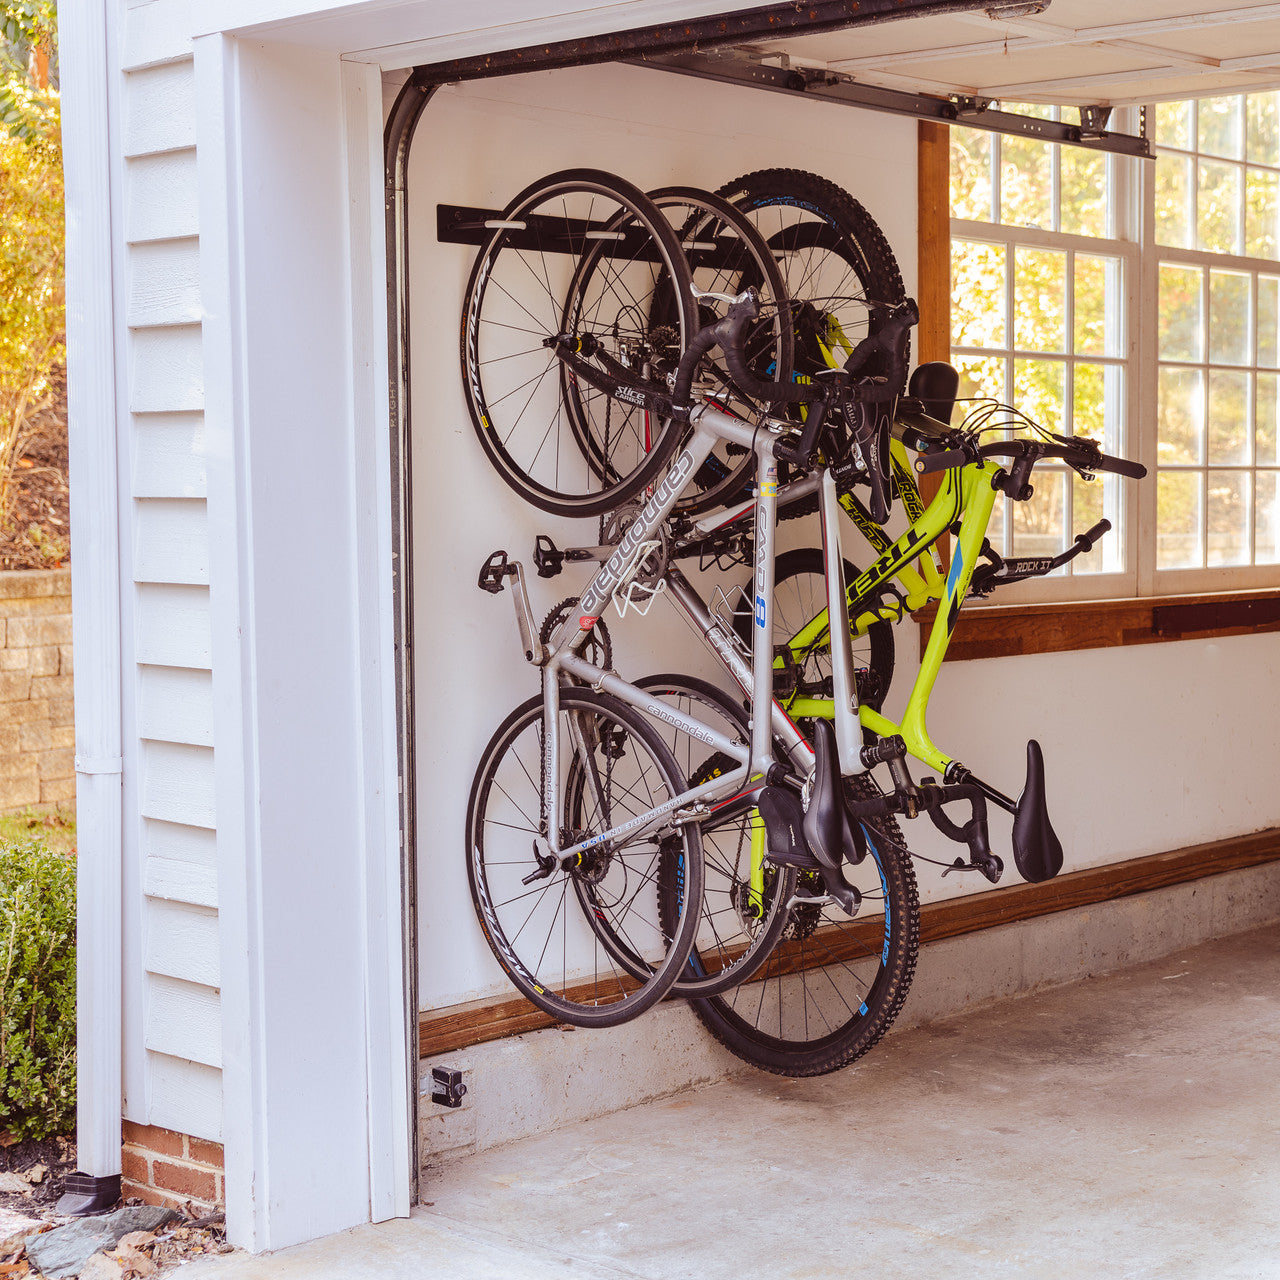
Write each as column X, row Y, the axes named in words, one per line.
column 1120, row 242
column 1207, row 580
column 1133, row 239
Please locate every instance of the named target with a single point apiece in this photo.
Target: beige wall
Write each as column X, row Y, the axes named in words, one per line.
column 37, row 726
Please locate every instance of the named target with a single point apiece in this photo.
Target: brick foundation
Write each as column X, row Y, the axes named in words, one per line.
column 37, row 723
column 167, row 1168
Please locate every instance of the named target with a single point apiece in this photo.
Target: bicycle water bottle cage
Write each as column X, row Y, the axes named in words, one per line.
column 1036, row 847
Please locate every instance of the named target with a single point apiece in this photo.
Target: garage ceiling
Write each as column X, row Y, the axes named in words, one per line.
column 1066, row 51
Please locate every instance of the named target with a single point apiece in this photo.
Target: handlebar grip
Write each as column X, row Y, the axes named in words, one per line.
column 1121, row 466
column 944, row 461
column 1090, row 536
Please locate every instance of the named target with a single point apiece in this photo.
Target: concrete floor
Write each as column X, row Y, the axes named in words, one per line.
column 1124, row 1126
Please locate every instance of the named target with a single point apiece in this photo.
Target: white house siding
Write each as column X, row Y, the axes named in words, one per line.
column 173, row 1045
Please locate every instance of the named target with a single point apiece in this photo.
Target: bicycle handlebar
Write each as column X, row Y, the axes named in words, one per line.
column 1083, row 458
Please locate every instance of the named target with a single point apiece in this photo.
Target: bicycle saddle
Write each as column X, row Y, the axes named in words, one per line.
column 1036, row 847
column 827, row 829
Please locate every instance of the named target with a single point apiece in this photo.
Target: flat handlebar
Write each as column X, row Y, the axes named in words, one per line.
column 1078, row 456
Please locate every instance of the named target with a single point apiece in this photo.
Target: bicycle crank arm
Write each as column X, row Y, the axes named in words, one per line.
column 492, row 579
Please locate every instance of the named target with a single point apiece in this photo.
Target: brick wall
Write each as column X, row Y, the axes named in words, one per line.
column 167, row 1168
column 37, row 725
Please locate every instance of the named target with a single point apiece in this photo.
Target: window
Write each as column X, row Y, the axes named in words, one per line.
column 1217, row 210
column 1040, row 280
column 1139, row 304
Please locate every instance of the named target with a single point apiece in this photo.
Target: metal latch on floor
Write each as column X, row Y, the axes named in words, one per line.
column 447, row 1087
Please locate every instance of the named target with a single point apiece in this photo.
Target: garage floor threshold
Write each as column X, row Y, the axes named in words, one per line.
column 1123, row 1126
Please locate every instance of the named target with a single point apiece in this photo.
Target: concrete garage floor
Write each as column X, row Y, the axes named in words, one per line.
column 1124, row 1126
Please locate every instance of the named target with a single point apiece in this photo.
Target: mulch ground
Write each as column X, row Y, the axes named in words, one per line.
column 37, row 534
column 44, row 1167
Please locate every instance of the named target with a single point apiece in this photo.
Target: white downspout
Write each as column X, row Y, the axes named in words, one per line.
column 95, row 578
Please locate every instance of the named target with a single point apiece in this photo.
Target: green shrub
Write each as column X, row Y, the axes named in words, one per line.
column 37, row 990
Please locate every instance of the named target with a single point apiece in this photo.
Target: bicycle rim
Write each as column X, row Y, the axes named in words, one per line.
column 741, row 921
column 552, row 935
column 585, row 253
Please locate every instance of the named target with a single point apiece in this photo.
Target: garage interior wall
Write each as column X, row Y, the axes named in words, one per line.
column 1149, row 748
column 479, row 144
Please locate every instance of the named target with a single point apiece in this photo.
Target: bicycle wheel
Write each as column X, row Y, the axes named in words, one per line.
column 557, row 933
column 726, row 255
column 834, row 985
column 741, row 921
column 799, row 595
column 584, row 253
column 836, row 263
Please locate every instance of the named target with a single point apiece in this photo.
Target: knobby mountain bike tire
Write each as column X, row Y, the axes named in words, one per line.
column 799, row 595
column 835, row 261
column 834, row 984
column 583, row 253
column 558, row 933
column 726, row 255
column 740, row 925
column 836, row 265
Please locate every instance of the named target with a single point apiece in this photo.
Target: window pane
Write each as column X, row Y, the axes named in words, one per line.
column 1266, row 419
column 979, row 376
column 1039, row 526
column 1026, row 182
column 1221, row 123
column 1174, row 186
column 1228, row 417
column 1086, row 511
column 1228, row 317
column 1039, row 390
column 1263, row 128
column 1178, row 521
column 1097, row 397
column 1181, row 313
column 1266, row 519
column 1097, row 306
column 1268, row 320
column 1262, row 213
column 971, row 174
column 1082, row 184
column 1228, row 517
column 1181, row 415
column 1173, row 124
column 977, row 294
column 1217, row 221
column 1039, row 299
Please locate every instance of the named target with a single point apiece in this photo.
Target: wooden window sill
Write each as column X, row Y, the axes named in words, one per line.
column 1000, row 631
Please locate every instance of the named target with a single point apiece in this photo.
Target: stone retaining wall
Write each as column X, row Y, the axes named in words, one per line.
column 37, row 722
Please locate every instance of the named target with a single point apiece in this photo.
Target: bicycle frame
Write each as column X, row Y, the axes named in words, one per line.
column 966, row 494
column 563, row 656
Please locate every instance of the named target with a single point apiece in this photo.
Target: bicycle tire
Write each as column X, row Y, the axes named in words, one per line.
column 581, row 252
column 726, row 254
column 833, row 986
column 807, row 221
column 799, row 594
column 736, row 935
column 556, row 955
column 835, row 261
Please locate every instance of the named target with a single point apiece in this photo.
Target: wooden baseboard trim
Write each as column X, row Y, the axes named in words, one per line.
column 465, row 1025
